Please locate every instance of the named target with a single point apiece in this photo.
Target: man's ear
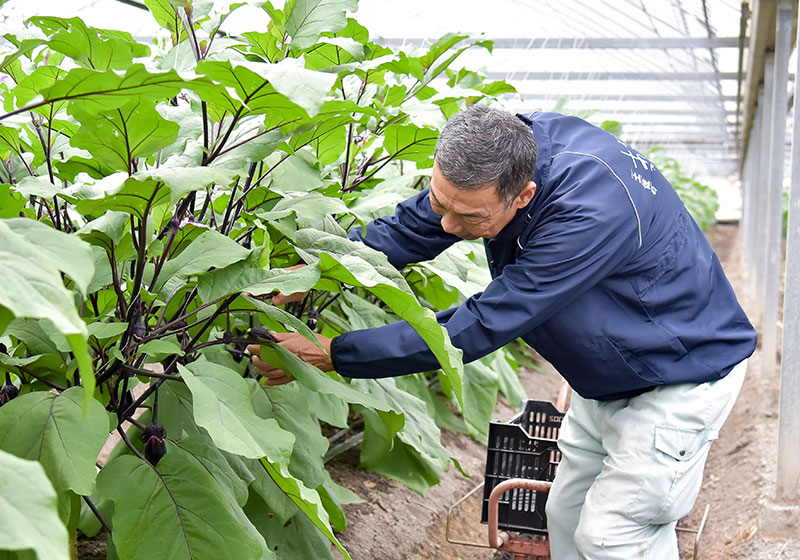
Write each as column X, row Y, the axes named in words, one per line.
column 525, row 196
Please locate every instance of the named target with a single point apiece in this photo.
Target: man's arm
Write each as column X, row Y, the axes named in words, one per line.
column 413, row 234
column 591, row 235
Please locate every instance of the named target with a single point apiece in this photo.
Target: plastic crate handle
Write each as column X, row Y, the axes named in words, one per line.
column 496, row 540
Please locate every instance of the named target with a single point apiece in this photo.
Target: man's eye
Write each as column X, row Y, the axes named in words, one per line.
column 474, row 220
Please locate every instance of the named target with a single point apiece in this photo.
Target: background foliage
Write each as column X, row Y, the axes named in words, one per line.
column 700, row 199
column 152, row 198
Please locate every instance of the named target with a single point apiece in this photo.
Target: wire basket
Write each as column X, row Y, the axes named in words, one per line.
column 525, row 447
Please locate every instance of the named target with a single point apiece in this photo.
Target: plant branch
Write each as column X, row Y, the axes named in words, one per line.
column 188, row 24
column 204, row 109
column 42, row 379
column 136, row 423
column 231, row 341
column 271, row 169
column 173, row 232
column 130, row 445
column 230, row 205
column 221, row 309
column 121, row 303
column 153, row 374
column 156, row 333
column 97, row 514
column 208, row 158
column 45, row 144
column 346, row 169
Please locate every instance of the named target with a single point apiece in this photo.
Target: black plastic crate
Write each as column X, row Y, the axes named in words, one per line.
column 525, row 447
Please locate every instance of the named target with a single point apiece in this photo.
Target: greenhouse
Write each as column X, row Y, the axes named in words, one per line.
column 334, row 279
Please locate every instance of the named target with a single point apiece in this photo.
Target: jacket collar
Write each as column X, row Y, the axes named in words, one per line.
column 518, row 223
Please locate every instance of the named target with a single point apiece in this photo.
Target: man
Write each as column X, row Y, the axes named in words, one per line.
column 597, row 265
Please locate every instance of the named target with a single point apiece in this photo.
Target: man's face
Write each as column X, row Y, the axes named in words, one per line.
column 470, row 214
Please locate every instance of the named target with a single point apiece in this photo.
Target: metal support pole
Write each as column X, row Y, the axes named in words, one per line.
column 760, row 261
column 774, row 229
column 788, row 480
column 749, row 199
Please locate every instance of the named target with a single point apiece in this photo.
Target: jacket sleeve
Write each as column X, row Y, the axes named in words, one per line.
column 590, row 232
column 413, row 234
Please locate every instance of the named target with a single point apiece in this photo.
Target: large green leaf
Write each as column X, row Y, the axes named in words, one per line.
column 222, row 405
column 232, row 278
column 432, row 61
column 289, row 406
column 23, row 48
column 118, row 193
column 106, row 231
column 143, row 190
column 481, row 384
column 334, row 51
column 10, row 142
column 411, row 142
column 11, row 203
column 53, row 430
column 174, row 511
column 202, row 449
column 209, row 249
column 247, row 90
column 384, row 454
column 307, row 88
column 66, row 252
column 315, row 380
column 166, row 14
column 276, row 315
column 31, row 85
column 118, row 136
column 28, row 515
column 508, row 380
column 101, row 91
column 286, row 281
column 308, row 19
column 31, row 285
column 308, row 207
column 326, row 132
column 90, row 47
column 418, row 432
column 358, row 265
column 306, row 499
column 292, row 539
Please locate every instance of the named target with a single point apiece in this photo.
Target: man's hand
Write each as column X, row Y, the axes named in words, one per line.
column 298, row 345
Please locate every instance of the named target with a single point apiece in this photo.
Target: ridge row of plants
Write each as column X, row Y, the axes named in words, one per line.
column 152, row 198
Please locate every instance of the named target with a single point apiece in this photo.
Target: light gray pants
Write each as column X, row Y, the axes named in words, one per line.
column 631, row 468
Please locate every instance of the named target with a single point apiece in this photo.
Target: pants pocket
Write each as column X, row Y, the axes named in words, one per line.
column 670, row 486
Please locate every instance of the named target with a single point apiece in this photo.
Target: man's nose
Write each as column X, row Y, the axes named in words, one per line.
column 450, row 224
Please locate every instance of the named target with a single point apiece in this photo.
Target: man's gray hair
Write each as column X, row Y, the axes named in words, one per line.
column 481, row 147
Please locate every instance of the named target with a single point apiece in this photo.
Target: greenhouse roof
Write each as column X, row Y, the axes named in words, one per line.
column 676, row 74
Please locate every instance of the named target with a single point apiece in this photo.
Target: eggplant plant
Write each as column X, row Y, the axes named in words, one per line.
column 154, row 198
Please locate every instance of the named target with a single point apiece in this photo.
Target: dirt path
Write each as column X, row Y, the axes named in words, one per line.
column 397, row 524
column 740, row 476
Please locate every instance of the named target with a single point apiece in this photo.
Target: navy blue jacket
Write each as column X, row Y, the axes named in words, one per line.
column 604, row 273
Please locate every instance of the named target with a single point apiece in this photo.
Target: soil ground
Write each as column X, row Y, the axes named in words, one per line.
column 395, row 523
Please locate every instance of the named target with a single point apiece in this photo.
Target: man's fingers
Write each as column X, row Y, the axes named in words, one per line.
column 272, row 375
column 283, row 336
column 281, row 299
column 266, row 369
